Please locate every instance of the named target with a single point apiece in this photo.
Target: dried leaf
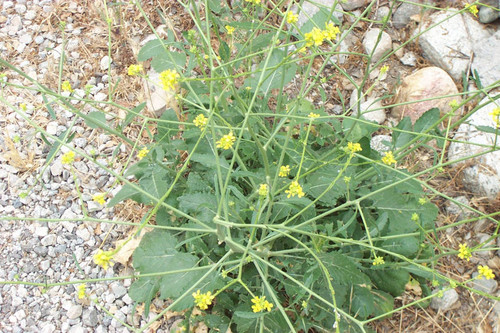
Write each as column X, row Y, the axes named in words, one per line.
column 123, row 256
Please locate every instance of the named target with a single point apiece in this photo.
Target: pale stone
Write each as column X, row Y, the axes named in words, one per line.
column 451, row 43
column 486, row 60
column 427, row 83
column 450, row 297
column 353, row 4
column 481, row 174
column 382, row 47
column 371, row 110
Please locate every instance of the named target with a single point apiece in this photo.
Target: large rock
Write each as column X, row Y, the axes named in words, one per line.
column 451, row 43
column 353, row 4
column 158, row 99
column 371, row 110
column 310, row 9
column 403, row 14
column 423, row 90
column 481, row 174
column 486, row 59
column 382, row 46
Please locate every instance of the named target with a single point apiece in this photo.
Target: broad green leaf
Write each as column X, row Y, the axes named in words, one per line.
column 96, row 119
column 391, row 280
column 131, row 114
column 402, row 138
column 406, row 246
column 487, row 129
column 362, row 304
column 276, row 74
column 156, row 183
column 343, row 270
column 426, row 120
column 127, row 192
column 383, row 302
column 202, row 205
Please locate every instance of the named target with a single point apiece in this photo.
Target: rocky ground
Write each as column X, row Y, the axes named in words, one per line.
column 32, row 39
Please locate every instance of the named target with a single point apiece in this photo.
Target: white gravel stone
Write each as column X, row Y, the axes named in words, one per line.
column 49, row 240
column 487, row 286
column 41, row 231
column 20, row 8
column 486, row 59
column 74, row 311
column 104, row 63
column 56, row 168
column 52, row 128
column 371, row 110
column 26, row 39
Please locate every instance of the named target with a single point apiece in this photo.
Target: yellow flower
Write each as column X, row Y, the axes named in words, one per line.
column 142, row 153
column 313, row 115
column 284, row 171
column 260, row 304
column 495, row 114
column 464, row 252
column 229, row 29
column 295, row 190
column 255, row 2
column 291, row 18
column 354, row 147
column 331, row 31
column 22, row 106
column 100, row 198
column 453, row 104
column 304, row 304
column 169, row 79
column 384, row 69
column 203, row 300
column 227, row 141
column 388, row 158
column 135, row 69
column 66, row 86
column 472, row 9
column 68, row 157
column 378, row 261
column 103, row 258
column 415, row 217
column 422, row 201
column 263, row 190
column 81, row 291
column 486, row 272
column 315, row 37
column 200, row 121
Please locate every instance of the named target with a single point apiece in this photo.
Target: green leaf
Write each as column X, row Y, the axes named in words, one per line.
column 157, row 254
column 131, row 114
column 224, row 51
column 342, row 269
column 487, row 129
column 362, row 302
column 429, row 118
column 406, row 246
column 156, row 183
column 391, row 280
column 402, row 138
column 163, row 58
column 203, row 205
column 276, row 75
column 96, row 119
column 383, row 302
column 126, row 192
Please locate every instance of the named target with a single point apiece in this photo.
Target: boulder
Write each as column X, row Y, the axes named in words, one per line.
column 481, row 174
column 423, row 90
column 486, row 59
column 403, row 14
column 452, row 40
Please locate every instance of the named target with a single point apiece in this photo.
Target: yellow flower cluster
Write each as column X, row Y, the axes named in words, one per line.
column 142, row 153
column 263, row 190
column 317, row 36
column 295, row 190
column 486, row 272
column 23, row 106
column 169, row 79
column 354, row 147
column 203, row 300
column 100, row 198
column 227, row 141
column 313, row 115
column 284, row 171
column 260, row 304
column 66, row 86
column 134, row 70
column 255, row 2
column 495, row 114
column 384, row 69
column 388, row 158
column 81, row 291
column 464, row 252
column 200, row 121
column 291, row 18
column 103, row 258
column 229, row 29
column 472, row 9
column 378, row 261
column 68, row 157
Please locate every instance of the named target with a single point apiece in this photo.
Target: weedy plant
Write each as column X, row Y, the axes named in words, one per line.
column 271, row 213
